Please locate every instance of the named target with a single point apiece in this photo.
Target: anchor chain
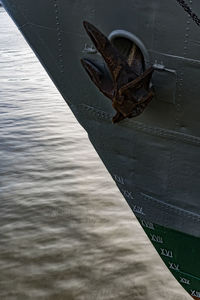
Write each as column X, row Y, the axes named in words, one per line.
column 186, row 7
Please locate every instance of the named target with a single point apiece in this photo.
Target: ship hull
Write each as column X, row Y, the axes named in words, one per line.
column 154, row 158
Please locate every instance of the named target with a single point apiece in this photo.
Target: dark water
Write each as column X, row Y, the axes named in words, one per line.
column 65, row 230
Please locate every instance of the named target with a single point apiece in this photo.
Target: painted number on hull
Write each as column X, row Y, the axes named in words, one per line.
column 195, row 294
column 184, row 280
column 119, row 179
column 147, row 224
column 174, row 267
column 167, row 253
column 138, row 209
column 156, row 238
column 127, row 194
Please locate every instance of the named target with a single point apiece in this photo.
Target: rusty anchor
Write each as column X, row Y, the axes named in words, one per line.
column 125, row 82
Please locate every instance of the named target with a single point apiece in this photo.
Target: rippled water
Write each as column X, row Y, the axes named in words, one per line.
column 65, row 230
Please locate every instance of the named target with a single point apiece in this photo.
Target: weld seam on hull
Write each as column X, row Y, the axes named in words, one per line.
column 140, row 126
column 180, row 211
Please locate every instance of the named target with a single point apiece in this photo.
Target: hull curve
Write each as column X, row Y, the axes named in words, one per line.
column 154, row 159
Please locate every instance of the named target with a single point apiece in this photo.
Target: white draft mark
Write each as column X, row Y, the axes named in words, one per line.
column 138, row 209
column 156, row 238
column 174, row 266
column 195, row 293
column 184, row 280
column 167, row 253
column 147, row 224
column 127, row 194
column 119, row 179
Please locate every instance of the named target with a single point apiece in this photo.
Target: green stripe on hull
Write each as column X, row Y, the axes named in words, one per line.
column 180, row 252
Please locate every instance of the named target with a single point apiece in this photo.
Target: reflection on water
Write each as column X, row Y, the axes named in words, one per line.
column 66, row 232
